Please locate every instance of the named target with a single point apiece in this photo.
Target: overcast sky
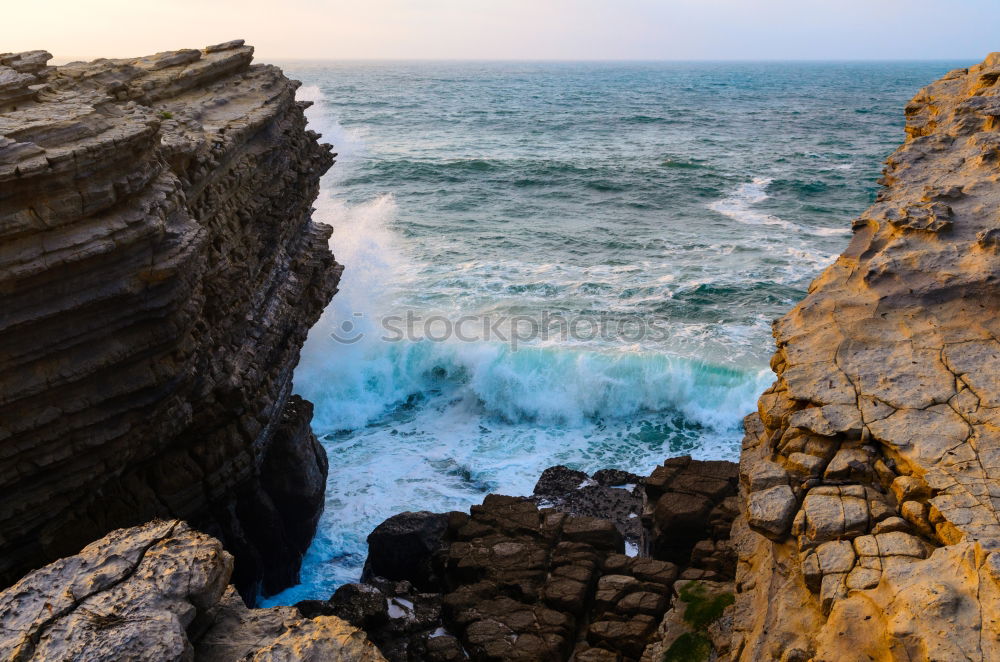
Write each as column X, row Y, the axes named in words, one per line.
column 513, row 29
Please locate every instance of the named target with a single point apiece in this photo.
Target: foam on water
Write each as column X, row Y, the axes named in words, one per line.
column 437, row 425
column 493, row 425
column 565, row 386
column 585, row 190
column 738, row 206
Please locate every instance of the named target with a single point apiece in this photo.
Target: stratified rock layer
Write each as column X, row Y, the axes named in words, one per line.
column 158, row 593
column 159, row 271
column 871, row 475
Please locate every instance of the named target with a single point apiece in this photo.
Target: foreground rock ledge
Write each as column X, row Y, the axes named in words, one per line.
column 159, row 271
column 159, row 593
column 871, row 474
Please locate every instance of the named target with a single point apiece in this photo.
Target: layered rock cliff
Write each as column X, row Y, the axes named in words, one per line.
column 871, row 474
column 159, row 271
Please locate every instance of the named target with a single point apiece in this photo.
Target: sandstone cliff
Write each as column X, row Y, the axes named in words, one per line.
column 158, row 593
column 159, row 270
column 871, row 475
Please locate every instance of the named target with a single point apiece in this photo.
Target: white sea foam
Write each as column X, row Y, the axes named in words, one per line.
column 553, row 385
column 738, row 206
column 436, row 425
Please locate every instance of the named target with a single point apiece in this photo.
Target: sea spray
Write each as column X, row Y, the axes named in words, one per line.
column 352, row 380
column 635, row 191
column 565, row 386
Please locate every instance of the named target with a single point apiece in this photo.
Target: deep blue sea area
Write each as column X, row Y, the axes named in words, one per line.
column 654, row 218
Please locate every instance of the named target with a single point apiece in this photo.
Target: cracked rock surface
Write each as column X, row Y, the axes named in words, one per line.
column 870, row 476
column 159, row 271
column 159, row 593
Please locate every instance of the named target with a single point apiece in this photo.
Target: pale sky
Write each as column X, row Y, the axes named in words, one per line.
column 512, row 29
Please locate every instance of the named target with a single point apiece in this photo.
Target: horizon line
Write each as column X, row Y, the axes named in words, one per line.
column 65, row 59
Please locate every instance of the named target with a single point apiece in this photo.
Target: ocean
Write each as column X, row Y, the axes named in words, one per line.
column 564, row 263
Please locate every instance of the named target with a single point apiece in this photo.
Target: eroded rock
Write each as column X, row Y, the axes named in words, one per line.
column 159, row 593
column 402, row 547
column 522, row 582
column 884, row 413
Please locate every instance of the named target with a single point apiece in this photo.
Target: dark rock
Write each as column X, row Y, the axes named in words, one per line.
column 611, row 589
column 396, row 617
column 402, row 547
column 658, row 482
column 643, row 602
column 617, row 478
column 651, row 570
column 599, row 533
column 436, row 647
column 596, row 655
column 628, row 637
column 314, row 608
column 279, row 510
column 617, row 564
column 293, row 473
column 361, row 605
column 527, row 583
column 567, row 594
column 560, row 480
column 679, row 522
column 163, row 273
column 691, row 501
column 575, row 493
column 507, row 514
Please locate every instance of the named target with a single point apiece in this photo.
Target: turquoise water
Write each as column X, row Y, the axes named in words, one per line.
column 664, row 213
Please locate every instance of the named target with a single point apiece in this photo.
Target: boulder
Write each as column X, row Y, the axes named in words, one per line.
column 159, row 593
column 771, row 511
column 403, row 546
column 361, row 605
column 560, row 480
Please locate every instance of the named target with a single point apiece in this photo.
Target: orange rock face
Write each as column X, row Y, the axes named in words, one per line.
column 874, row 533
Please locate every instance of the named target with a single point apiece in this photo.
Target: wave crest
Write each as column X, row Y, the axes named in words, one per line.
column 539, row 385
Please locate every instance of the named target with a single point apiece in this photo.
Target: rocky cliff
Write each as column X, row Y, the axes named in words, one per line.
column 871, row 474
column 159, row 271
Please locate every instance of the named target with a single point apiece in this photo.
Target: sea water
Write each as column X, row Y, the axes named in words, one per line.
column 618, row 238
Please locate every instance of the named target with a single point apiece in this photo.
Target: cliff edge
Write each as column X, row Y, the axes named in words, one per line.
column 159, row 271
column 871, row 474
